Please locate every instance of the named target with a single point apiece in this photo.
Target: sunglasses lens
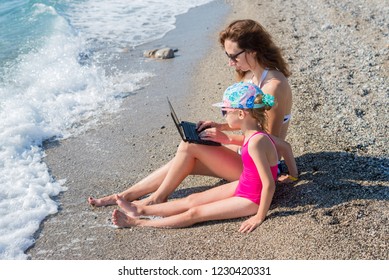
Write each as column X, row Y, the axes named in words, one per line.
column 233, row 57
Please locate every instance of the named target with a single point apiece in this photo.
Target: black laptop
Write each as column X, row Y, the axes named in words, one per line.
column 188, row 130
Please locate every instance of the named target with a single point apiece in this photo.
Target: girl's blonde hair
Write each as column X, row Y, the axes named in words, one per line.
column 251, row 36
column 260, row 113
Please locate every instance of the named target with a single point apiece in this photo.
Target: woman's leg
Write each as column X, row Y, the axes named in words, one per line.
column 178, row 206
column 145, row 186
column 205, row 160
column 197, row 159
column 229, row 208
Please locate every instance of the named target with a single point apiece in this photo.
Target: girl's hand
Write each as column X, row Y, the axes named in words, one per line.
column 286, row 179
column 201, row 125
column 213, row 134
column 250, row 224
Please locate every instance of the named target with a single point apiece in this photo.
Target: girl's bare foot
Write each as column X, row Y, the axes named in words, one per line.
column 104, row 201
column 129, row 208
column 122, row 220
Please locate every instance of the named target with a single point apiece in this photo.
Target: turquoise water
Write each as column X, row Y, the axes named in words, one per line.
column 52, row 85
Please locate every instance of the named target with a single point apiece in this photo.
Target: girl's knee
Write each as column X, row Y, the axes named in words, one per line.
column 194, row 214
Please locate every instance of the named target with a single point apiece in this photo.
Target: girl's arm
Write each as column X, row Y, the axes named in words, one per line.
column 262, row 152
column 216, row 135
column 214, row 132
column 201, row 125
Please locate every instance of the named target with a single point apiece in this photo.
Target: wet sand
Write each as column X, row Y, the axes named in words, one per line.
column 338, row 53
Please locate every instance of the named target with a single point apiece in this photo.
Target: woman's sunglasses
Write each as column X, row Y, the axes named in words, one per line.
column 233, row 57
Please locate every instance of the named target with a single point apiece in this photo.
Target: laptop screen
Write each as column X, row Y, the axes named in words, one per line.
column 175, row 119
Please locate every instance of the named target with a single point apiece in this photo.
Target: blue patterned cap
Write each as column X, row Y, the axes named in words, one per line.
column 242, row 95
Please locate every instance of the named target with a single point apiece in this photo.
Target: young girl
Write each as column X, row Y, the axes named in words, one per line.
column 244, row 106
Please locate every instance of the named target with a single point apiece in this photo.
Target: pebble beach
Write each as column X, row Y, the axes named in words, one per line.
column 338, row 52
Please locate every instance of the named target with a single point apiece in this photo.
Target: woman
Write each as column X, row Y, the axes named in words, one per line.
column 256, row 58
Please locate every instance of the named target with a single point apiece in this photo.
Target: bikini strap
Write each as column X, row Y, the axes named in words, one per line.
column 264, row 74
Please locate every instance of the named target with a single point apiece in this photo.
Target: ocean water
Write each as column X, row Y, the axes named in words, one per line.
column 53, row 85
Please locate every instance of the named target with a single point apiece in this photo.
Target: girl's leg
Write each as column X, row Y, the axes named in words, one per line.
column 205, row 160
column 178, row 206
column 229, row 208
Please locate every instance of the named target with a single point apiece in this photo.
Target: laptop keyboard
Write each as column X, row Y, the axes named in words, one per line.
column 192, row 135
column 190, row 130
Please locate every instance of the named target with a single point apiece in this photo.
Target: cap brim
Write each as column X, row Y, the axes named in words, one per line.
column 220, row 104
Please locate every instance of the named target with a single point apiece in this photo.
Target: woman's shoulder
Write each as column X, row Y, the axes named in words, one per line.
column 277, row 77
column 275, row 83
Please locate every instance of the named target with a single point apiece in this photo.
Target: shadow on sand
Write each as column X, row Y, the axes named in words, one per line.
column 327, row 179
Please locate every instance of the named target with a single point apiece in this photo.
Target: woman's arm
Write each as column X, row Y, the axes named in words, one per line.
column 285, row 151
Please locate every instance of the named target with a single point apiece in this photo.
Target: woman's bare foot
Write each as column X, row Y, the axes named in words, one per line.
column 150, row 200
column 129, row 208
column 122, row 220
column 104, row 201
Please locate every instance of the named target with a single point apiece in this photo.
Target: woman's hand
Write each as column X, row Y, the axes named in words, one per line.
column 250, row 224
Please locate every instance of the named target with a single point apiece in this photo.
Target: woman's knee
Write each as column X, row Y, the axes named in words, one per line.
column 191, row 200
column 183, row 147
column 188, row 148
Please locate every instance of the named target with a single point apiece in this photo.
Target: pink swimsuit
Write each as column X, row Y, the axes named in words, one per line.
column 250, row 183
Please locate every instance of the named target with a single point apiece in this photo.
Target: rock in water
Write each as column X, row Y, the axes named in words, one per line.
column 163, row 53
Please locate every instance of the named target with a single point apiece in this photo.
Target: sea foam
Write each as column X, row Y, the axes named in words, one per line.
column 52, row 86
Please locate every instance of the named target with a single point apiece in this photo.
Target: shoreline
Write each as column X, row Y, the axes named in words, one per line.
column 338, row 209
column 126, row 146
